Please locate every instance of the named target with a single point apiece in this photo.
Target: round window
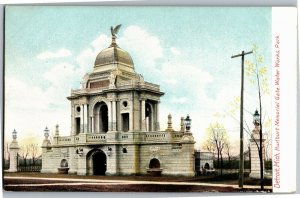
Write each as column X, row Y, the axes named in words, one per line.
column 78, row 109
column 125, row 103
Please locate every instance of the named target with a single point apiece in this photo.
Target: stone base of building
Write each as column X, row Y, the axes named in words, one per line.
column 49, row 171
column 254, row 175
column 11, row 171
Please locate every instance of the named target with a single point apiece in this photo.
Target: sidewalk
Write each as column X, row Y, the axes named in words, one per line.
column 88, row 181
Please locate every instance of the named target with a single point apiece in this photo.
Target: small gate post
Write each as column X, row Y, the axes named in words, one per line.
column 14, row 149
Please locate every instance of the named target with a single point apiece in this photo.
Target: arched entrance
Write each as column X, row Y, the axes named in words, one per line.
column 104, row 118
column 101, row 117
column 154, row 167
column 99, row 163
column 154, row 163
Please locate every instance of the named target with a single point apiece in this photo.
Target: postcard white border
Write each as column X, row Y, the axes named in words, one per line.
column 284, row 98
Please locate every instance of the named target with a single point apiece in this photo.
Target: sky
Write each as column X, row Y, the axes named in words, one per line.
column 186, row 50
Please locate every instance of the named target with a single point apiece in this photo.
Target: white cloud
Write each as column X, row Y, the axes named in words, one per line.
column 170, row 81
column 21, row 95
column 61, row 74
column 29, row 109
column 101, row 42
column 86, row 57
column 180, row 100
column 142, row 44
column 191, row 76
column 175, row 51
column 59, row 54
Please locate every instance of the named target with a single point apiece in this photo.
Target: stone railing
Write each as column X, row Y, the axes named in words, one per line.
column 65, row 140
column 153, row 136
column 121, row 86
column 81, row 139
column 157, row 136
column 96, row 138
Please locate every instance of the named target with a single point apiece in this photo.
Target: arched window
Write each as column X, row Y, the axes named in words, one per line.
column 64, row 163
column 100, row 123
column 206, row 166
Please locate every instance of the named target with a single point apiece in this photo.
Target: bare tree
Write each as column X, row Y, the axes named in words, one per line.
column 34, row 152
column 257, row 73
column 24, row 153
column 217, row 136
column 228, row 151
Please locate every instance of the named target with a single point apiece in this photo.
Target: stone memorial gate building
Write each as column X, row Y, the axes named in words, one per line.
column 115, row 126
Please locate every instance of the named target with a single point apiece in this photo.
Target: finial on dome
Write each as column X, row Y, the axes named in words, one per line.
column 114, row 31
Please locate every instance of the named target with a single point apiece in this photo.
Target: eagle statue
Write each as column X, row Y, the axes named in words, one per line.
column 114, row 30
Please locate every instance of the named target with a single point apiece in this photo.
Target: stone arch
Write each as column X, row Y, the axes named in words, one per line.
column 149, row 115
column 95, row 100
column 64, row 163
column 154, row 163
column 101, row 118
column 96, row 162
column 206, row 165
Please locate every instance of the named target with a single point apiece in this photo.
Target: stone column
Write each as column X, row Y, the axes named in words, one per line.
column 56, row 135
column 119, row 117
column 85, row 118
column 157, row 117
column 114, row 116
column 143, row 116
column 109, row 107
column 13, row 149
column 81, row 118
column 170, row 127
column 73, row 123
column 255, row 161
column 96, row 123
column 92, row 125
column 182, row 127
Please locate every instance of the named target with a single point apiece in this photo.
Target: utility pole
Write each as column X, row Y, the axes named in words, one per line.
column 241, row 167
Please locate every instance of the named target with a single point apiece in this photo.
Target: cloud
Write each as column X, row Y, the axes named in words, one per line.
column 144, row 48
column 170, row 81
column 29, row 108
column 141, row 44
column 61, row 74
column 86, row 57
column 50, row 55
column 175, row 51
column 180, row 100
column 101, row 42
column 191, row 76
column 21, row 95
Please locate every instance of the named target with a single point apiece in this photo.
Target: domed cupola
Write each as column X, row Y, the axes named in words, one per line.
column 114, row 56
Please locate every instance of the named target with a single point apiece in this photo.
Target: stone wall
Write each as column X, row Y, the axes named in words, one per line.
column 124, row 159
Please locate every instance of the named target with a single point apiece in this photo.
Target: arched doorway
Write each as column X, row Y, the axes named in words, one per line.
column 104, row 118
column 101, row 117
column 154, row 167
column 154, row 163
column 99, row 163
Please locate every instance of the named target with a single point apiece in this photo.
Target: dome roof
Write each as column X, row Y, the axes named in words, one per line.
column 114, row 54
